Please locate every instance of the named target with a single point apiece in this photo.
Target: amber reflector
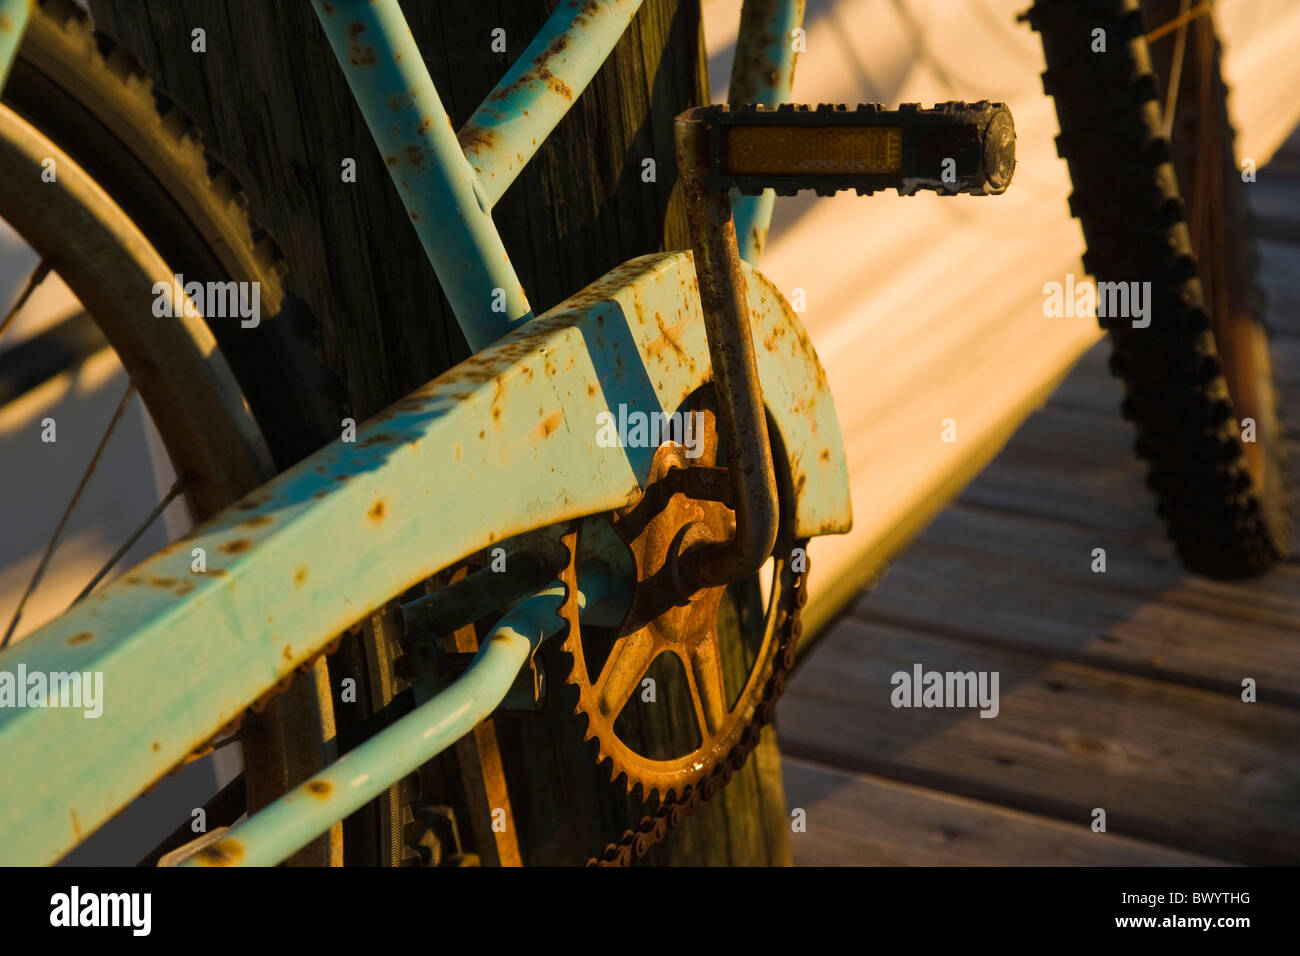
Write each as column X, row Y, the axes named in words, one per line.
column 808, row 151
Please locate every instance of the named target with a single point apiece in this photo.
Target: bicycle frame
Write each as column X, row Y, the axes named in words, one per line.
column 277, row 590
column 13, row 21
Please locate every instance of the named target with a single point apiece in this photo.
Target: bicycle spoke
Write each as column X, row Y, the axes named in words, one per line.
column 1178, row 22
column 1176, row 70
column 177, row 487
column 67, row 513
column 38, row 275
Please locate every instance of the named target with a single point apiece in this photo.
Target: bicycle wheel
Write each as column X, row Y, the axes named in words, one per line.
column 1160, row 200
column 137, row 200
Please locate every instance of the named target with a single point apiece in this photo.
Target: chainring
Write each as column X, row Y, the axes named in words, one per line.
column 789, row 595
column 657, row 623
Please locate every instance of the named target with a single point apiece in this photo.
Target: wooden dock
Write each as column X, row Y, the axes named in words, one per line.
column 1120, row 691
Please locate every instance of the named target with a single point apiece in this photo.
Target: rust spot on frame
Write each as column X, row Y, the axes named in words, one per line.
column 321, row 788
column 549, row 425
column 416, row 155
column 238, row 546
column 589, row 9
column 257, row 521
column 300, row 576
column 81, row 638
column 475, row 139
column 359, row 54
column 667, row 338
column 227, row 852
column 554, row 82
column 376, row 512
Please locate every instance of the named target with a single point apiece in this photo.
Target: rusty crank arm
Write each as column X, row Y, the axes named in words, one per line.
column 953, row 148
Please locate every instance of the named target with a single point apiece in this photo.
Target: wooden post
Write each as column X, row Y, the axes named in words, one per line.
column 272, row 102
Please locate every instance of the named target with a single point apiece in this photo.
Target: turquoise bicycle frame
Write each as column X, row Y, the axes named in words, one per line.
column 183, row 653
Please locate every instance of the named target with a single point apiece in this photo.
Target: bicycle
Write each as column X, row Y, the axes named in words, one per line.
column 636, row 543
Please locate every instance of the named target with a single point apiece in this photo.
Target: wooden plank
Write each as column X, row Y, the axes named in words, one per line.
column 1284, row 166
column 856, row 819
column 1064, row 464
column 1272, row 201
column 1090, row 386
column 1027, row 585
column 1186, row 768
column 1281, row 283
column 1080, row 466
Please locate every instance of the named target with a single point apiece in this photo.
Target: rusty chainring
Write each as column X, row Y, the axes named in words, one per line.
column 787, row 601
column 657, row 623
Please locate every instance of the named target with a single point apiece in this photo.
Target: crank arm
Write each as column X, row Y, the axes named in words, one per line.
column 952, row 148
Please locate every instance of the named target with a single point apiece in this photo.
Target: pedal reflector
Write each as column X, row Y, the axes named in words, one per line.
column 800, row 150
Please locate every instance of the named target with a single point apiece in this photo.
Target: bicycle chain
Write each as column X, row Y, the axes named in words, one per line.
column 654, row 828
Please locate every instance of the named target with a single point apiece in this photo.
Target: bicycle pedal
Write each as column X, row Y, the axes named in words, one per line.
column 950, row 149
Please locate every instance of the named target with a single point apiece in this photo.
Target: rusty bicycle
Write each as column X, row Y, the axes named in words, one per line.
column 617, row 551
